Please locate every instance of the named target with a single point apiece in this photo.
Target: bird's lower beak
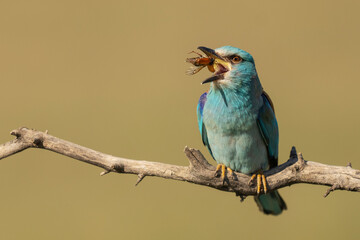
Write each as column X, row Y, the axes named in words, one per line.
column 219, row 64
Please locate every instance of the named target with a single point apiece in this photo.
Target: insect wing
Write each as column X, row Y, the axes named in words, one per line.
column 193, row 70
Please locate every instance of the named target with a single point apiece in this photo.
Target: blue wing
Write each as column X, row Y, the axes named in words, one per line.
column 271, row 203
column 200, row 108
column 269, row 129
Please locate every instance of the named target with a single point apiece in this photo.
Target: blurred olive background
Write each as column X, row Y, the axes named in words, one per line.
column 110, row 75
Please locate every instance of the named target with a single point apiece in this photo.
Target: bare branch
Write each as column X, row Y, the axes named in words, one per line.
column 295, row 170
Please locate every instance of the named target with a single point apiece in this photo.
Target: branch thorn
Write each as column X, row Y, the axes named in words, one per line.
column 332, row 188
column 141, row 176
column 105, row 172
column 349, row 165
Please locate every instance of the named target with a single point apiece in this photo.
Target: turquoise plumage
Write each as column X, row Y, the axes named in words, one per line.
column 237, row 120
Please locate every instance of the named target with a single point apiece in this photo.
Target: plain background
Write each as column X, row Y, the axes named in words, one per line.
column 110, row 75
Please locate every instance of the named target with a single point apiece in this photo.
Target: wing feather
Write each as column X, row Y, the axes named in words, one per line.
column 202, row 128
column 269, row 129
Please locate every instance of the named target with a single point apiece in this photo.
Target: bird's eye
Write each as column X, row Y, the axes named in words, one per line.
column 235, row 59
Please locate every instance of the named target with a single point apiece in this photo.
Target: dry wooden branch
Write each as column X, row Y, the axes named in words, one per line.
column 295, row 170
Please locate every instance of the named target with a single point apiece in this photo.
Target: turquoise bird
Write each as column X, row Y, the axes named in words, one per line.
column 237, row 121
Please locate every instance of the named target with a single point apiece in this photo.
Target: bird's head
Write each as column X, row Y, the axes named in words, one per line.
column 231, row 66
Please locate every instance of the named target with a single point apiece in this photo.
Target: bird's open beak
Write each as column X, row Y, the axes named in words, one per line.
column 220, row 65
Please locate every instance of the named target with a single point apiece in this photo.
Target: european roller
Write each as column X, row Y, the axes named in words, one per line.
column 237, row 120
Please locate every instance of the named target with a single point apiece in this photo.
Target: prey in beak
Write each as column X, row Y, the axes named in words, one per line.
column 213, row 61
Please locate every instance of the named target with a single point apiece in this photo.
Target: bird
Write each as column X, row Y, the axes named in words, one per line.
column 237, row 122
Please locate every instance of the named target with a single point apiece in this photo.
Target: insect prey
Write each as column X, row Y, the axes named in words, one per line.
column 199, row 63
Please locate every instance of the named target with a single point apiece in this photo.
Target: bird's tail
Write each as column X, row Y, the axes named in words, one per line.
column 270, row 203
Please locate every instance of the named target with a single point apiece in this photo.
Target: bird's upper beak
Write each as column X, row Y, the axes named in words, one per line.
column 220, row 65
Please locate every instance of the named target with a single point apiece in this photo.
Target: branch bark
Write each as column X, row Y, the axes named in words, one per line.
column 295, row 170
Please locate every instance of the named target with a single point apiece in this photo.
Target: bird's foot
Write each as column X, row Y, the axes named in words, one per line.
column 261, row 181
column 223, row 169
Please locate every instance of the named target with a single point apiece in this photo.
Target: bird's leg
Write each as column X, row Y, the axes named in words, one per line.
column 260, row 180
column 264, row 183
column 220, row 168
column 231, row 172
column 217, row 169
column 223, row 169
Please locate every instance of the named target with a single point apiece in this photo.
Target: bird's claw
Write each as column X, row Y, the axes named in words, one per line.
column 223, row 169
column 260, row 180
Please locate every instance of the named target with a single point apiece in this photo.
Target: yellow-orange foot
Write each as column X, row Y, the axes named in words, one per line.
column 261, row 181
column 223, row 169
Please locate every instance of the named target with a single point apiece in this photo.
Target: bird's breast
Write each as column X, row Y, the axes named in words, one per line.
column 233, row 134
column 228, row 113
